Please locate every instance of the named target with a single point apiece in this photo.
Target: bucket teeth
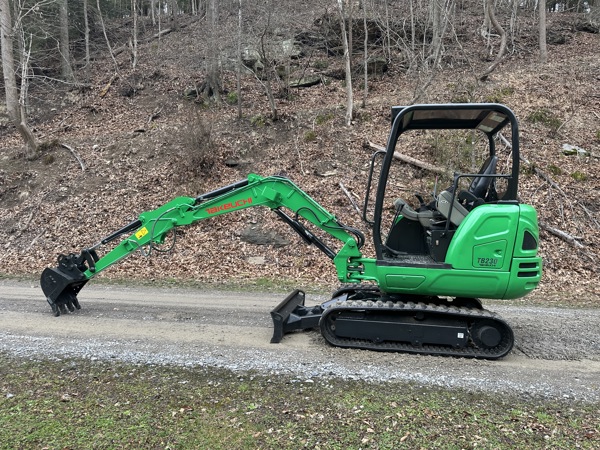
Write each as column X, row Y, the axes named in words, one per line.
column 61, row 286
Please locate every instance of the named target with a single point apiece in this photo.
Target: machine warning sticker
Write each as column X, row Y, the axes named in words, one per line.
column 141, row 233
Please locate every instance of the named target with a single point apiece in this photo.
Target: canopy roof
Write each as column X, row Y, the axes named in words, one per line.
column 486, row 117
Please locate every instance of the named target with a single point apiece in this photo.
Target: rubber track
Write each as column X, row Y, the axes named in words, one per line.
column 410, row 308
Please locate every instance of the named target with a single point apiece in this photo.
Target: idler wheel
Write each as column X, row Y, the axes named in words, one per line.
column 486, row 334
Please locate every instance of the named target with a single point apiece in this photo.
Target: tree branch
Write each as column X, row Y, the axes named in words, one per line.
column 76, row 155
column 345, row 191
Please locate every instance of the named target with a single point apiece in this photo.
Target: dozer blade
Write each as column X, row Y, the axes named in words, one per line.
column 62, row 284
column 291, row 315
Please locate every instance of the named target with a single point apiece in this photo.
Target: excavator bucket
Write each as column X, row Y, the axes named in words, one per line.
column 291, row 315
column 61, row 290
column 62, row 284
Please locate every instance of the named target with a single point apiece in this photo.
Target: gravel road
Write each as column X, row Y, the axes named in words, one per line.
column 556, row 355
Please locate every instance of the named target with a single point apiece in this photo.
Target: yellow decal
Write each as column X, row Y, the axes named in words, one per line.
column 141, row 233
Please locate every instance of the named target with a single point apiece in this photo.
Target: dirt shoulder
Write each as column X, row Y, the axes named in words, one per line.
column 556, row 356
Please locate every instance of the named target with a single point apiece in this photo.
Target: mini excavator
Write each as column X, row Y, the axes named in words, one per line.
column 432, row 264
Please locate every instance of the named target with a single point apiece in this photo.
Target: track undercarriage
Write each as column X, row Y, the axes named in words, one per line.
column 363, row 317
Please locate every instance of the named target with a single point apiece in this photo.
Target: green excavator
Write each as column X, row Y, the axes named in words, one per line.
column 420, row 292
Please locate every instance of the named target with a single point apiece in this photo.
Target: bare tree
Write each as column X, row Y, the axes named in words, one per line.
column 134, row 37
column 440, row 11
column 112, row 55
column 413, row 30
column 542, row 31
column 212, row 85
column 437, row 29
column 239, row 62
column 174, row 10
column 349, row 97
column 502, row 33
column 366, row 56
column 268, row 69
column 14, row 102
column 86, row 33
column 66, row 70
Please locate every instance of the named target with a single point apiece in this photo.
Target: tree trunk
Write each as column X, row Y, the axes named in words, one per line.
column 268, row 70
column 15, row 111
column 174, row 11
column 542, row 31
column 366, row 56
column 8, row 63
column 387, row 47
column 413, row 30
column 66, row 70
column 112, row 55
column 239, row 62
column 350, row 13
column 502, row 33
column 134, row 45
column 213, row 85
column 436, row 42
column 349, row 98
column 86, row 33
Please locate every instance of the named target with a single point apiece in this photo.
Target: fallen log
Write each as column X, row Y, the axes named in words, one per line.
column 412, row 161
column 561, row 234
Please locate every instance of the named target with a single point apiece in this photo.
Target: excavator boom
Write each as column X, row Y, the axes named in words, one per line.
column 62, row 284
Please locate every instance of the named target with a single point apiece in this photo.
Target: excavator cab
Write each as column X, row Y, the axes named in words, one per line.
column 457, row 183
column 465, row 238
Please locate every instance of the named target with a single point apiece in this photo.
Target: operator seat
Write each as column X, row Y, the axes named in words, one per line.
column 450, row 208
column 480, row 185
column 483, row 188
column 425, row 218
column 478, row 193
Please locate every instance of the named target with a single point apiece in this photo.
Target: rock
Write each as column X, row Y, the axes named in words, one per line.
column 376, row 66
column 556, row 37
column 190, row 93
column 325, row 168
column 305, row 82
column 257, row 235
column 588, row 27
column 234, row 162
column 570, row 150
column 251, row 59
column 291, row 48
column 257, row 260
column 276, row 51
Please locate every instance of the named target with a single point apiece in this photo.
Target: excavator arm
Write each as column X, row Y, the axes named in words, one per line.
column 62, row 283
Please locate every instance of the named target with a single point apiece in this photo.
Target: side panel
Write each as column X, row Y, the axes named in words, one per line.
column 492, row 255
column 485, row 239
column 445, row 282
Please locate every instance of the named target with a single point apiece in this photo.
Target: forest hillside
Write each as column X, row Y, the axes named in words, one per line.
column 118, row 140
